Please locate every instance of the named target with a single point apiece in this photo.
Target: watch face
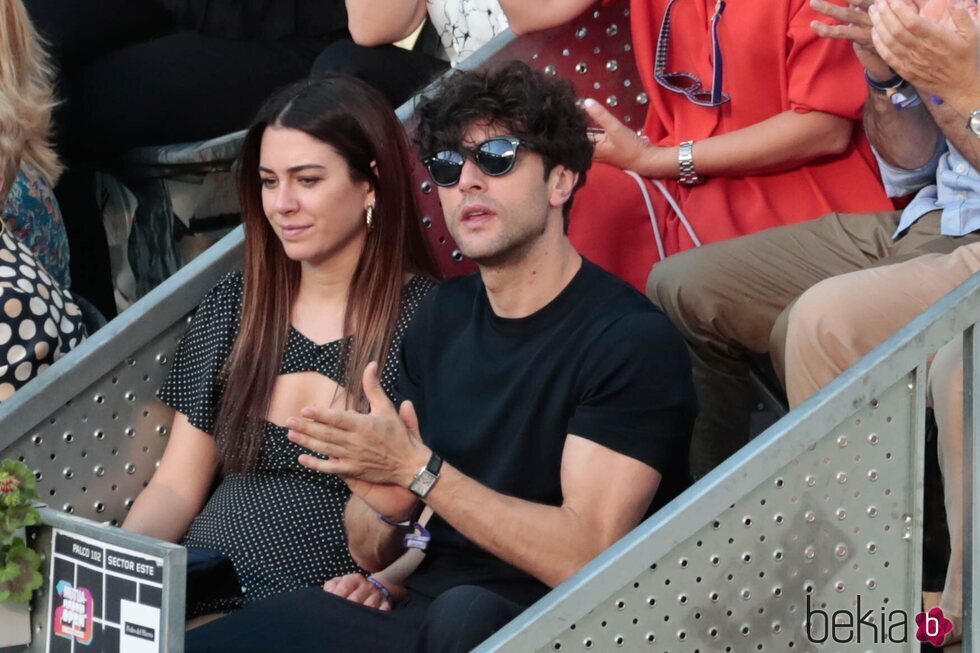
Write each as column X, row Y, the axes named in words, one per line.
column 975, row 122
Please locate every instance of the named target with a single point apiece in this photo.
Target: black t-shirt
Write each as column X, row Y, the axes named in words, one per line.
column 496, row 398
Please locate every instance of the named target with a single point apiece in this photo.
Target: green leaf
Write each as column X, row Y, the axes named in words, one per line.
column 19, row 573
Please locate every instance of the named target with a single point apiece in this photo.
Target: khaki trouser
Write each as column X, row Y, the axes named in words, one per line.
column 839, row 320
column 730, row 299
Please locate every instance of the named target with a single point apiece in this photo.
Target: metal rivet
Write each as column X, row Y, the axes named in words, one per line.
column 427, row 222
column 714, row 561
column 612, row 101
column 457, row 255
column 37, row 440
column 841, row 478
column 839, row 586
column 99, row 470
column 777, row 591
column 872, row 547
column 612, row 30
column 620, row 604
column 68, row 473
column 627, row 48
column 681, row 635
column 907, row 519
column 130, row 468
column 581, row 32
column 810, row 516
column 581, row 68
column 872, row 511
column 873, row 475
column 873, row 438
column 811, row 480
column 162, row 359
column 842, row 441
column 550, row 70
column 128, row 503
column 99, row 434
column 776, row 627
column 612, row 65
column 682, row 599
column 99, row 506
column 777, row 555
column 872, row 583
column 596, row 85
column 162, row 430
column 841, row 551
column 566, row 52
column 779, row 482
column 99, row 399
column 874, row 403
column 130, row 432
column 841, row 513
column 68, row 508
column 642, row 98
column 746, row 594
column 810, row 552
column 426, row 187
column 68, row 437
column 778, row 518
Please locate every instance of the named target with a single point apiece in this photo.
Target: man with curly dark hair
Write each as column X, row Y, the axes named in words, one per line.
column 547, row 404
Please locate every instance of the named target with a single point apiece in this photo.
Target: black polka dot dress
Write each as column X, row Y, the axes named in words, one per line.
column 39, row 322
column 280, row 523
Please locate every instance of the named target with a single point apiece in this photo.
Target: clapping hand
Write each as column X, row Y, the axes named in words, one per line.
column 935, row 47
column 851, row 23
column 377, row 454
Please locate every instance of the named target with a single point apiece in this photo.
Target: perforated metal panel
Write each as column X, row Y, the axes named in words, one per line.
column 834, row 524
column 94, row 454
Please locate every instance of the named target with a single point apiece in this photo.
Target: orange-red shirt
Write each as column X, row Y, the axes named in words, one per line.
column 773, row 62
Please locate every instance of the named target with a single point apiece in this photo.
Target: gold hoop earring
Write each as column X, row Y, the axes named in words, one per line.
column 369, row 216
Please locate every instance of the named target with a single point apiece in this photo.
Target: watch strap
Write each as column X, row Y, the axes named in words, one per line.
column 685, row 162
column 885, row 85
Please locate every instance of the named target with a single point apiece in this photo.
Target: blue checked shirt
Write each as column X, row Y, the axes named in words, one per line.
column 948, row 183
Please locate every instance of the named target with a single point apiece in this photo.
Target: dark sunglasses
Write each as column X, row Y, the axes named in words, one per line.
column 688, row 84
column 495, row 157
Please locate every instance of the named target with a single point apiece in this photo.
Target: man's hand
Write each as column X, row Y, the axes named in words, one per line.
column 936, row 49
column 377, row 454
column 357, row 588
column 853, row 24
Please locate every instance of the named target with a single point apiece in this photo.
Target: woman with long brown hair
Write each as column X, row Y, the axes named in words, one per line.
column 335, row 265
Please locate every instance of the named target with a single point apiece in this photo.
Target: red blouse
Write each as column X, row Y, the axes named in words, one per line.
column 773, row 62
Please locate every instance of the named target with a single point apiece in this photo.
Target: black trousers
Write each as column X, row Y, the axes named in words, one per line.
column 398, row 73
column 129, row 79
column 312, row 620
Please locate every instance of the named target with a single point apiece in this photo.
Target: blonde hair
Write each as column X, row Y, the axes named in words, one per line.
column 26, row 98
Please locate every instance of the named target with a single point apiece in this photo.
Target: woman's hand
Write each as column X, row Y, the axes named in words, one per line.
column 852, row 23
column 620, row 146
column 357, row 588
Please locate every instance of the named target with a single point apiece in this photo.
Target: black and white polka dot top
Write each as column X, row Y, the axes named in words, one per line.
column 280, row 523
column 39, row 321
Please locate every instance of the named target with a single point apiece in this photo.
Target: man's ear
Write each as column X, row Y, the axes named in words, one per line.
column 562, row 183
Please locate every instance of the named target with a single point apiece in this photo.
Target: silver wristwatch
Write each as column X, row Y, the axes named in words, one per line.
column 685, row 160
column 974, row 122
column 427, row 477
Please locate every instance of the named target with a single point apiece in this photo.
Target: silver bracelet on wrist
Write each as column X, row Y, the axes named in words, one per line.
column 685, row 160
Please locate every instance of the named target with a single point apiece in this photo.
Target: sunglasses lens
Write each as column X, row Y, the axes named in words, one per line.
column 445, row 167
column 496, row 157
